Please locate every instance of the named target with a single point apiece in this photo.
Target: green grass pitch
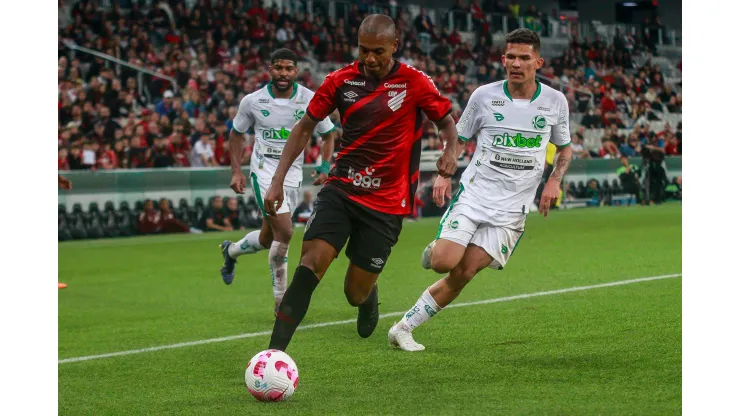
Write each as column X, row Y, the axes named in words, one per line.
column 605, row 351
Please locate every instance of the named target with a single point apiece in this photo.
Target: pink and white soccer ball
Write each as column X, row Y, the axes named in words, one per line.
column 271, row 376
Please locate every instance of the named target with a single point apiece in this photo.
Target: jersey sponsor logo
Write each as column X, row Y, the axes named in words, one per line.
column 392, row 93
column 539, row 122
column 356, row 83
column 265, row 113
column 506, row 140
column 364, row 178
column 298, row 114
column 387, row 85
column 350, row 96
column 273, row 134
column 498, row 103
column 263, row 101
column 498, row 116
column 513, row 162
column 396, row 102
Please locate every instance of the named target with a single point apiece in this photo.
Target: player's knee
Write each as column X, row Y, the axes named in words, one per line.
column 283, row 236
column 442, row 264
column 354, row 297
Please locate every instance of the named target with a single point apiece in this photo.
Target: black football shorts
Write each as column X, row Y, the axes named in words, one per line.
column 371, row 234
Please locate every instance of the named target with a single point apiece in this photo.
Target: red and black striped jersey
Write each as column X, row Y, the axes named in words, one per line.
column 377, row 163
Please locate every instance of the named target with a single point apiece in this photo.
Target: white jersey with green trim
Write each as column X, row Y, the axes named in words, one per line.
column 272, row 119
column 512, row 137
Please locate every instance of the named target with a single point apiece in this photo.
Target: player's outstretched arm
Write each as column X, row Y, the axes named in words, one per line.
column 447, row 163
column 299, row 136
column 563, row 156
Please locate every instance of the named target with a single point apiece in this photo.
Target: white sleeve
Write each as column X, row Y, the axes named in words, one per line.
column 560, row 134
column 471, row 119
column 244, row 120
column 325, row 126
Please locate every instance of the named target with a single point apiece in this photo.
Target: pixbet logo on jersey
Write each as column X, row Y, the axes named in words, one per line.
column 505, row 140
column 364, row 178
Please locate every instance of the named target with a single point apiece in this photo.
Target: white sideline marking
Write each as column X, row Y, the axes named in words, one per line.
column 349, row 321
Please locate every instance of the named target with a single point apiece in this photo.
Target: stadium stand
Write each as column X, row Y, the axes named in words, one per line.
column 141, row 82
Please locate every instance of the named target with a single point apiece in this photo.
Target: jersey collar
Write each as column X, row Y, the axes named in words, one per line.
column 534, row 97
column 295, row 90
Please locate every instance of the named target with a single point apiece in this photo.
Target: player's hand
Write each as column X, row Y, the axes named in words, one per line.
column 274, row 198
column 320, row 178
column 238, row 182
column 442, row 189
column 447, row 164
column 549, row 195
column 64, row 183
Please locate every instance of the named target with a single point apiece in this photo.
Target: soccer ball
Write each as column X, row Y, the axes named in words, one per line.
column 271, row 376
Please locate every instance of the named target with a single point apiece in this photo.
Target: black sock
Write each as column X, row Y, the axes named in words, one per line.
column 293, row 307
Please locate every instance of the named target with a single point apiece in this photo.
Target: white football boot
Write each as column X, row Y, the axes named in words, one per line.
column 400, row 337
column 426, row 256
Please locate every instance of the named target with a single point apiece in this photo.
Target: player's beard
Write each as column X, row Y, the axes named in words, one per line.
column 288, row 84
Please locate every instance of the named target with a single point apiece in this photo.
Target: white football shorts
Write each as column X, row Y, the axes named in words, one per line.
column 291, row 196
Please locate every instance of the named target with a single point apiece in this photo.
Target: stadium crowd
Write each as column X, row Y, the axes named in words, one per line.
column 111, row 116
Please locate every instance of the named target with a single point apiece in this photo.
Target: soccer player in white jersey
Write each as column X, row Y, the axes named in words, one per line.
column 273, row 111
column 513, row 121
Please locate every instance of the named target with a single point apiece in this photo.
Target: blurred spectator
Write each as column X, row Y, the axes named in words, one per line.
column 231, row 212
column 304, row 209
column 202, row 154
column 215, row 218
column 629, row 177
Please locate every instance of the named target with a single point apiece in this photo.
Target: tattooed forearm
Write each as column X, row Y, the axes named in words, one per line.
column 562, row 162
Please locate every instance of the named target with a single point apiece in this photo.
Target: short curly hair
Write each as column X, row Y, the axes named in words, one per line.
column 524, row 36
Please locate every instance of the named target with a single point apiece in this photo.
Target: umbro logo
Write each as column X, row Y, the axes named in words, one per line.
column 350, row 94
column 377, row 262
column 498, row 103
column 396, row 102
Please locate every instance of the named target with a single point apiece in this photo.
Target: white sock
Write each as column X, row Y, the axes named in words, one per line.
column 247, row 245
column 279, row 269
column 424, row 309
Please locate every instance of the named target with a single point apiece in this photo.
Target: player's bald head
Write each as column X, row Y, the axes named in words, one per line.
column 378, row 25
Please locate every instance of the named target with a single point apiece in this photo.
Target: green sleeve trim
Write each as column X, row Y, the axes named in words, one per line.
column 258, row 194
column 562, row 146
column 463, row 138
column 328, row 131
column 240, row 132
column 449, row 209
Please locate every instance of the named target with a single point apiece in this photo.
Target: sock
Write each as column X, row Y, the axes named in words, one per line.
column 279, row 269
column 293, row 307
column 247, row 245
column 424, row 309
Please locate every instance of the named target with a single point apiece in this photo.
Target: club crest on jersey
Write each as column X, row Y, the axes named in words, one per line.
column 396, row 102
column 539, row 122
column 298, row 114
column 265, row 113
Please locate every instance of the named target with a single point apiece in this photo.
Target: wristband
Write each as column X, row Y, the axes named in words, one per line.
column 324, row 167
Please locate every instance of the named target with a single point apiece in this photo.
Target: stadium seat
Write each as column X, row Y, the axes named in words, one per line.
column 183, row 203
column 139, row 206
column 606, row 188
column 64, row 234
column 77, row 208
column 124, row 207
column 616, row 186
column 93, row 207
column 62, row 209
column 109, row 206
column 199, row 203
column 581, row 189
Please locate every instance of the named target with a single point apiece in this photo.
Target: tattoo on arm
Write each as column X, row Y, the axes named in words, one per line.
column 561, row 164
